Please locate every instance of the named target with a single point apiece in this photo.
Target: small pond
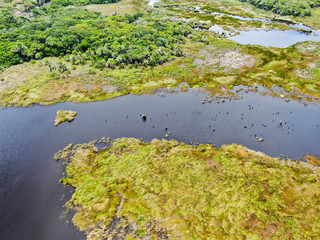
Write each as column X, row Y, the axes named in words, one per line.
column 273, row 38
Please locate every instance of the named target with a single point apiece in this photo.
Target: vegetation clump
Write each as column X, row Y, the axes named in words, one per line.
column 63, row 116
column 170, row 190
column 284, row 7
column 9, row 20
column 81, row 2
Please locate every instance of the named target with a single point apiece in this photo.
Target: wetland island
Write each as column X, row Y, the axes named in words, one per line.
column 186, row 119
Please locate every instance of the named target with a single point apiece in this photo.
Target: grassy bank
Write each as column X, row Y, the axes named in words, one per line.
column 216, row 66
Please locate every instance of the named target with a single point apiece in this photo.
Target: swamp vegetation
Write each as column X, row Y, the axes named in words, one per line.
column 166, row 189
column 63, row 116
column 74, row 54
column 282, row 7
column 90, row 50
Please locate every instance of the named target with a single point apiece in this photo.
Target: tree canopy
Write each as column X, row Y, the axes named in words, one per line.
column 78, row 34
column 284, row 7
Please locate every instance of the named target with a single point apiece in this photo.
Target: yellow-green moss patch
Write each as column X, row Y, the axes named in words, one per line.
column 63, row 116
column 171, row 190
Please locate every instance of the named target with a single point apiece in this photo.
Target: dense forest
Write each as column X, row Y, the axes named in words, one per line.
column 284, row 7
column 136, row 39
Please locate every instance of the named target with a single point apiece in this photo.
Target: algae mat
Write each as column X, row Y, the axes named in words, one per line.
column 170, row 190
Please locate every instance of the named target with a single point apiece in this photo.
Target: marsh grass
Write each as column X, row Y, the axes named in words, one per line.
column 245, row 9
column 63, row 116
column 221, row 63
column 122, row 7
column 167, row 189
column 313, row 20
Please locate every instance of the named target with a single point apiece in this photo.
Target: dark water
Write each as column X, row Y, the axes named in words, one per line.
column 31, row 197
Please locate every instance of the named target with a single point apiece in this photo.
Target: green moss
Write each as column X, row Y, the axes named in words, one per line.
column 167, row 189
column 225, row 80
column 63, row 116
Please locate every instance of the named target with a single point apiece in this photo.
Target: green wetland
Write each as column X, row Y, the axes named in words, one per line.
column 159, row 119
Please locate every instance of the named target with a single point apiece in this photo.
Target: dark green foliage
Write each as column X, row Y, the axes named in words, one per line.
column 7, row 57
column 8, row 20
column 285, row 7
column 81, row 2
column 108, row 41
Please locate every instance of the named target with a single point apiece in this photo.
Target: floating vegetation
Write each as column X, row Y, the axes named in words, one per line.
column 170, row 190
column 63, row 116
column 143, row 116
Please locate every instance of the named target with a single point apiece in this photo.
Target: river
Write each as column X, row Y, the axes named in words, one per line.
column 31, row 197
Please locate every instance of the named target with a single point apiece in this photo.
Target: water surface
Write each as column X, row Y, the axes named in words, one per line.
column 273, row 38
column 31, row 197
